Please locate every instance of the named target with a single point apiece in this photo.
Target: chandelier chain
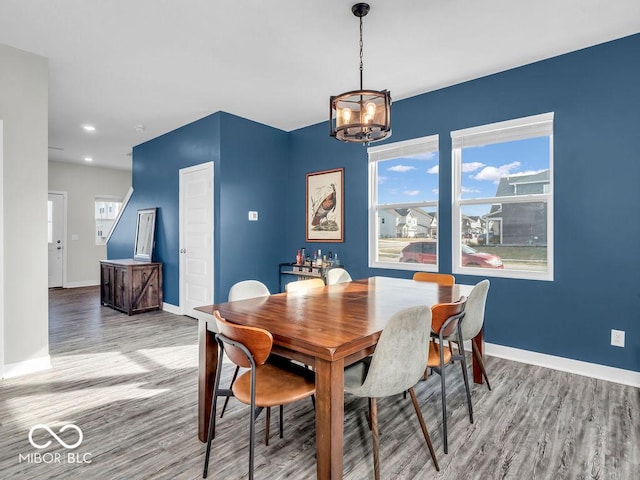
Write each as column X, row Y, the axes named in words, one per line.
column 361, row 56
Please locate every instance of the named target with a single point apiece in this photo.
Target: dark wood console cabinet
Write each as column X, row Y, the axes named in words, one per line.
column 131, row 286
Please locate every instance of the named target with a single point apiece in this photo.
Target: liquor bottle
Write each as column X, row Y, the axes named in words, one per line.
column 298, row 258
column 336, row 260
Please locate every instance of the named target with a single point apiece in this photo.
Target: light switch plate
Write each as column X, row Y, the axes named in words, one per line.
column 617, row 338
column 253, row 216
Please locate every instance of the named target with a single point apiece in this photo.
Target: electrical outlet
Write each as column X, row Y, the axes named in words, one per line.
column 253, row 216
column 617, row 338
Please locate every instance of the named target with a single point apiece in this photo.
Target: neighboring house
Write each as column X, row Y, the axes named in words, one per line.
column 406, row 223
column 519, row 223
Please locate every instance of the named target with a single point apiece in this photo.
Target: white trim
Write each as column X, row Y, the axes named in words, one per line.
column 516, row 129
column 125, row 201
column 27, row 366
column 593, row 370
column 84, row 283
column 169, row 307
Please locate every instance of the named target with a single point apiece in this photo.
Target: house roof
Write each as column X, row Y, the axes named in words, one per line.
column 506, row 186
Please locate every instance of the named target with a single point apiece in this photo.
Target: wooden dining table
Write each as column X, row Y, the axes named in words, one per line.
column 327, row 328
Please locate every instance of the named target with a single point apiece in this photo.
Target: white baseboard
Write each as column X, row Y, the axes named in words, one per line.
column 593, row 370
column 168, row 307
column 86, row 283
column 28, row 366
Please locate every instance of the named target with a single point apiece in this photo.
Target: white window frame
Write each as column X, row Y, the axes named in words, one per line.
column 387, row 152
column 517, row 129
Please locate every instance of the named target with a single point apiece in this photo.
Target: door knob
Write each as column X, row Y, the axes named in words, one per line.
column 59, row 248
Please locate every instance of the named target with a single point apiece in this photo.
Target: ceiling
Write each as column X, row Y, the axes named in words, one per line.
column 160, row 64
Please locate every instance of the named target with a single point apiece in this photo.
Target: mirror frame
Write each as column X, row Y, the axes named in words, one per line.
column 145, row 235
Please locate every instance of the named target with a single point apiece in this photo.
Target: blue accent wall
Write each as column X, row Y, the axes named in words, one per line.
column 247, row 176
column 595, row 94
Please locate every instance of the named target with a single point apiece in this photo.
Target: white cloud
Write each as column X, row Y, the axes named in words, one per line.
column 382, row 179
column 471, row 166
column 436, row 191
column 470, row 190
column 435, row 169
column 528, row 172
column 412, row 193
column 423, row 156
column 494, row 174
column 401, row 168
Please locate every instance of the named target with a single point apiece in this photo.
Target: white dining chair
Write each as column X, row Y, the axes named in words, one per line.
column 337, row 275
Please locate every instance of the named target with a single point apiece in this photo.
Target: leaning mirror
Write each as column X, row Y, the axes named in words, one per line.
column 145, row 235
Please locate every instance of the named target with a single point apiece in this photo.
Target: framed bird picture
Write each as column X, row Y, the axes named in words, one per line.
column 325, row 206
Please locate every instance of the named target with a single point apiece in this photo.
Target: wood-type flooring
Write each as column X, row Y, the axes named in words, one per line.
column 130, row 385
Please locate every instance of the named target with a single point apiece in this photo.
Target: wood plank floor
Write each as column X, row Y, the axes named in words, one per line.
column 130, row 384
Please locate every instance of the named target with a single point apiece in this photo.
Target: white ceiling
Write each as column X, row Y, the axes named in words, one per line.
column 117, row 64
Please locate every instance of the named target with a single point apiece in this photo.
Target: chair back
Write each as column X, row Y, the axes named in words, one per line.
column 257, row 340
column 337, row 275
column 248, row 289
column 400, row 357
column 304, row 285
column 474, row 311
column 446, row 316
column 443, row 279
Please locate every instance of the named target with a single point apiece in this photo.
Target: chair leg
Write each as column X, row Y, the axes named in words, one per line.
column 212, row 418
column 226, row 400
column 281, row 421
column 465, row 376
column 376, row 440
column 443, row 392
column 476, row 354
column 252, row 420
column 423, row 426
column 369, row 416
column 266, row 426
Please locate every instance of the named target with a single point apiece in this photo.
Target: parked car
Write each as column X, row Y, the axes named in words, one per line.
column 425, row 252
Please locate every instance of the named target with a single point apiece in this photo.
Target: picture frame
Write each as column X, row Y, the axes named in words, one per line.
column 325, row 206
column 145, row 235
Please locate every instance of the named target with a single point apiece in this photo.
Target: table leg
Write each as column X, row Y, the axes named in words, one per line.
column 329, row 418
column 477, row 372
column 207, row 364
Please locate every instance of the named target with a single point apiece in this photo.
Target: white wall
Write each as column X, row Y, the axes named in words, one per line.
column 24, row 111
column 83, row 183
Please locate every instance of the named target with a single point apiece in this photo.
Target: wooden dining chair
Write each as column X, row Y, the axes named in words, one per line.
column 242, row 291
column 474, row 321
column 395, row 367
column 304, row 285
column 443, row 279
column 447, row 319
column 264, row 385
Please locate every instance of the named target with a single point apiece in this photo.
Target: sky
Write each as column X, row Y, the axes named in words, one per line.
column 415, row 179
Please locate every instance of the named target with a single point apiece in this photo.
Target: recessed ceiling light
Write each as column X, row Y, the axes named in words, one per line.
column 88, row 159
column 89, row 128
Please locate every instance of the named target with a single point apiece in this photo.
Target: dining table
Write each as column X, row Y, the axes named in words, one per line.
column 327, row 328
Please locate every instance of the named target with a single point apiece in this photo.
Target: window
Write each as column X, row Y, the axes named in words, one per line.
column 503, row 199
column 403, row 205
column 106, row 212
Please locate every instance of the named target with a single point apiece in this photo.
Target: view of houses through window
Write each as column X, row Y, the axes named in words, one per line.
column 503, row 197
column 502, row 201
column 403, row 182
column 106, row 212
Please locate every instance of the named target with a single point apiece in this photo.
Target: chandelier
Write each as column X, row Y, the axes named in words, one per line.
column 362, row 116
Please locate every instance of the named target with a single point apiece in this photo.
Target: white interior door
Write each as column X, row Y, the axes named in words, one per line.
column 196, row 237
column 56, row 216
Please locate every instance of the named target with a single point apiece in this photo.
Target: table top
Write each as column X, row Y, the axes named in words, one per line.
column 337, row 320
